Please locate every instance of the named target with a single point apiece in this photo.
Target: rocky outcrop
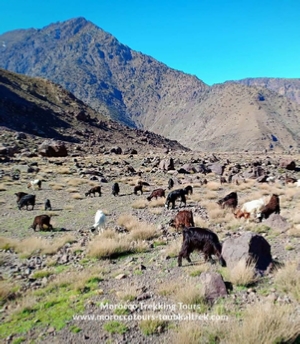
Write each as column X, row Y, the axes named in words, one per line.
column 51, row 148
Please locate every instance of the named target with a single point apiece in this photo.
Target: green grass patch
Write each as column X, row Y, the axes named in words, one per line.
column 115, row 327
column 122, row 311
column 42, row 274
column 150, row 327
column 75, row 329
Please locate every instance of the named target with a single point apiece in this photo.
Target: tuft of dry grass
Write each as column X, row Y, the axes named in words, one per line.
column 287, row 280
column 102, row 247
column 155, row 203
column 77, row 196
column 144, row 232
column 190, row 294
column 75, row 182
column 173, row 249
column 2, row 187
column 30, row 246
column 127, row 221
column 294, row 231
column 242, row 274
column 140, row 204
column 6, row 292
column 72, row 190
column 265, row 323
column 57, row 186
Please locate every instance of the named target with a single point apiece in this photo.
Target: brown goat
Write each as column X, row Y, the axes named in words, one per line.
column 138, row 188
column 41, row 221
column 93, row 191
column 156, row 193
column 229, row 201
column 272, row 207
column 223, row 180
column 20, row 195
column 184, row 218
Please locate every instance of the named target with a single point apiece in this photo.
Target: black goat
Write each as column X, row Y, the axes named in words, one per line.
column 170, row 183
column 188, row 190
column 172, row 197
column 27, row 200
column 48, row 205
column 201, row 239
column 229, row 201
column 115, row 189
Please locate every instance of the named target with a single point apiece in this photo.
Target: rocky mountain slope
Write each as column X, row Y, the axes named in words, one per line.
column 289, row 88
column 141, row 92
column 42, row 109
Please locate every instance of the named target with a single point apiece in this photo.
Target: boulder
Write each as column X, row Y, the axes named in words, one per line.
column 248, row 246
column 217, row 169
column 214, row 286
column 277, row 222
column 52, row 148
column 288, row 164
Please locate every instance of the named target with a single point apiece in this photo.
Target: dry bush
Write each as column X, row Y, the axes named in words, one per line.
column 2, row 187
column 63, row 170
column 109, row 234
column 156, row 203
column 57, row 186
column 210, row 195
column 213, row 186
column 242, row 274
column 109, row 247
column 265, row 323
column 77, row 196
column 217, row 214
column 287, row 279
column 127, row 293
column 29, row 246
column 167, row 288
column 68, row 207
column 172, row 250
column 196, row 197
column 6, row 291
column 144, row 232
column 140, row 204
column 156, row 211
column 294, row 231
column 190, row 294
column 199, row 222
column 72, row 190
column 127, row 221
column 75, row 182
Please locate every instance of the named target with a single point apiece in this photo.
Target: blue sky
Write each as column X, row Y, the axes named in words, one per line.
column 216, row 40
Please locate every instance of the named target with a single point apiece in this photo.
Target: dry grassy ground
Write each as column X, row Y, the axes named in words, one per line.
column 47, row 278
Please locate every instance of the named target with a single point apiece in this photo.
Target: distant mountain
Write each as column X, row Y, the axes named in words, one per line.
column 289, row 88
column 42, row 109
column 137, row 90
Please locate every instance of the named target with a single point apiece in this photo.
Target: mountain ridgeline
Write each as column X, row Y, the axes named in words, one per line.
column 141, row 92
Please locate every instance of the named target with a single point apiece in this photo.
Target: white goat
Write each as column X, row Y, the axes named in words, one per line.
column 100, row 220
column 254, row 207
column 34, row 183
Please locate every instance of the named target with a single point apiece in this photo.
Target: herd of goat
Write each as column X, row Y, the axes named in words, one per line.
column 194, row 238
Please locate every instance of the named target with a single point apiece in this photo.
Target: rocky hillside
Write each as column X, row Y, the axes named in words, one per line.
column 98, row 69
column 41, row 109
column 141, row 92
column 289, row 88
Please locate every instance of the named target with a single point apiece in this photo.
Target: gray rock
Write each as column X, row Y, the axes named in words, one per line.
column 248, row 246
column 214, row 286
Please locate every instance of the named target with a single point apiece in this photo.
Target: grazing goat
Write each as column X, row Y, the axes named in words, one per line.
column 41, row 221
column 20, row 195
column 156, row 193
column 48, row 205
column 115, row 189
column 170, row 184
column 137, row 188
column 172, row 197
column 252, row 207
column 229, row 201
column 223, row 180
column 93, row 191
column 188, row 190
column 272, row 207
column 27, row 200
column 201, row 239
column 100, row 220
column 184, row 218
column 33, row 183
